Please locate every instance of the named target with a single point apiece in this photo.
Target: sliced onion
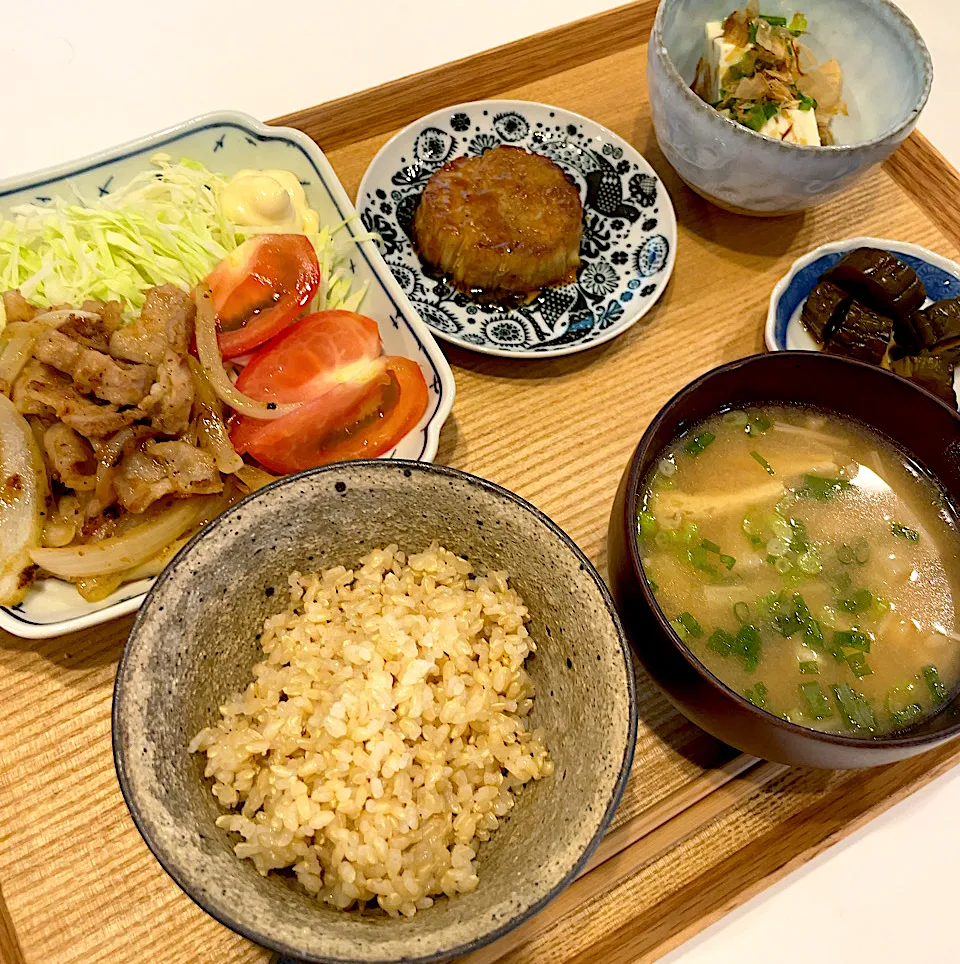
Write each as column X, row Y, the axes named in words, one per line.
column 58, row 316
column 212, row 362
column 253, row 477
column 212, row 431
column 119, row 553
column 22, row 496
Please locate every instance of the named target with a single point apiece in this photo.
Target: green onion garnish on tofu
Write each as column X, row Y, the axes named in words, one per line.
column 816, row 700
column 758, row 458
column 775, row 20
column 797, row 26
column 697, row 444
column 807, row 103
column 905, row 532
column 854, row 707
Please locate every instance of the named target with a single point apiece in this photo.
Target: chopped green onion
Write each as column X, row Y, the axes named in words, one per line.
column 799, row 540
column 853, row 639
column 807, row 103
column 710, row 546
column 648, row 525
column 757, row 457
column 653, row 586
column 775, row 20
column 842, row 582
column 822, row 489
column 858, row 665
column 747, row 647
column 742, row 612
column 755, row 118
column 736, row 419
column 813, row 635
column 860, row 602
column 809, row 667
column 721, row 642
column 686, row 622
column 909, row 714
column 854, row 707
column 798, row 24
column 696, row 445
column 861, row 551
column 757, row 695
column 700, row 559
column 728, row 561
column 790, row 615
column 810, row 563
column 937, row 690
column 753, row 33
column 759, row 423
column 845, row 554
column 905, row 532
column 816, row 700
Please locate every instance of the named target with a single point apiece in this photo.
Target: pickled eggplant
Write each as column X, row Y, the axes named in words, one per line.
column 879, row 280
column 861, row 333
column 934, row 329
column 824, row 310
column 932, row 372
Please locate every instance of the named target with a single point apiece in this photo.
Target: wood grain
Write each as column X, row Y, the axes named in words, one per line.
column 695, row 833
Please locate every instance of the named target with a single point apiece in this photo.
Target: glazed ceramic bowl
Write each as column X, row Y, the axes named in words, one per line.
column 887, row 75
column 868, row 395
column 193, row 644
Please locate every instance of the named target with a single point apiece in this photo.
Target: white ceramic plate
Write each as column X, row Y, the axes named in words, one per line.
column 627, row 250
column 227, row 141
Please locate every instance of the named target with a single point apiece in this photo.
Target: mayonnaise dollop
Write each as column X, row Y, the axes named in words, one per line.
column 269, row 199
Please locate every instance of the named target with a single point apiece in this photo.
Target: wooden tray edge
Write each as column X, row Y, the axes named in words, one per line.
column 476, row 77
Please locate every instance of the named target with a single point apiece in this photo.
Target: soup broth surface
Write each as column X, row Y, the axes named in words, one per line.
column 809, row 566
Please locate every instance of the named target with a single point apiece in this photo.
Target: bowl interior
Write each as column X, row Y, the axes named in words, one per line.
column 885, row 64
column 861, row 392
column 193, row 645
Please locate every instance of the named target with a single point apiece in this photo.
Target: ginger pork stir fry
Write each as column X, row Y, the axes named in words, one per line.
column 131, row 436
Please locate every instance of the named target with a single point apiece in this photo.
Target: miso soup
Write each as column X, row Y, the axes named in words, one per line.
column 809, row 566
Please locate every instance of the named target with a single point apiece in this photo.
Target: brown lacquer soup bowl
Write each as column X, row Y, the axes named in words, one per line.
column 922, row 426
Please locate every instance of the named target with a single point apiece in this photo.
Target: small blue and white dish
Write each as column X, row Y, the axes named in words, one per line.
column 887, row 76
column 627, row 250
column 226, row 141
column 940, row 277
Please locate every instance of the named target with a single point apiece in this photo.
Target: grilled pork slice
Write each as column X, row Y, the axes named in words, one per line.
column 165, row 324
column 507, row 222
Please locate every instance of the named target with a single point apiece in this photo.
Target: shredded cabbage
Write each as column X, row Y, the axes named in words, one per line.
column 165, row 227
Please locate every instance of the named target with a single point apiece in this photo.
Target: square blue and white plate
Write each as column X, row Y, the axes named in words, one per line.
column 227, row 141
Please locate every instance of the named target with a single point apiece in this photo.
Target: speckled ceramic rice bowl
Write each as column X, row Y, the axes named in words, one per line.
column 193, row 645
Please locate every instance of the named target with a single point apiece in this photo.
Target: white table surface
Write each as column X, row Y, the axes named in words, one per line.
column 77, row 77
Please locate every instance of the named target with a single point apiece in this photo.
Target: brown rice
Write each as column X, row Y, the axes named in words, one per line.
column 385, row 733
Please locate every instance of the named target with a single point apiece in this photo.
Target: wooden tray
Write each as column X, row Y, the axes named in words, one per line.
column 701, row 828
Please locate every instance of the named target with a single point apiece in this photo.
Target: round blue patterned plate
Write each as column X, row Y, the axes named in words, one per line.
column 627, row 250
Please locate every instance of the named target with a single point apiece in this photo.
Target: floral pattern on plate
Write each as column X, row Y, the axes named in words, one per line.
column 627, row 249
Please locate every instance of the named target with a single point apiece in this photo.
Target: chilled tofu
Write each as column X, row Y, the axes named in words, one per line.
column 719, row 56
column 794, row 126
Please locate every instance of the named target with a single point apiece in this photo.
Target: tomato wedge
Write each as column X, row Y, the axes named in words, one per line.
column 260, row 288
column 356, row 402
